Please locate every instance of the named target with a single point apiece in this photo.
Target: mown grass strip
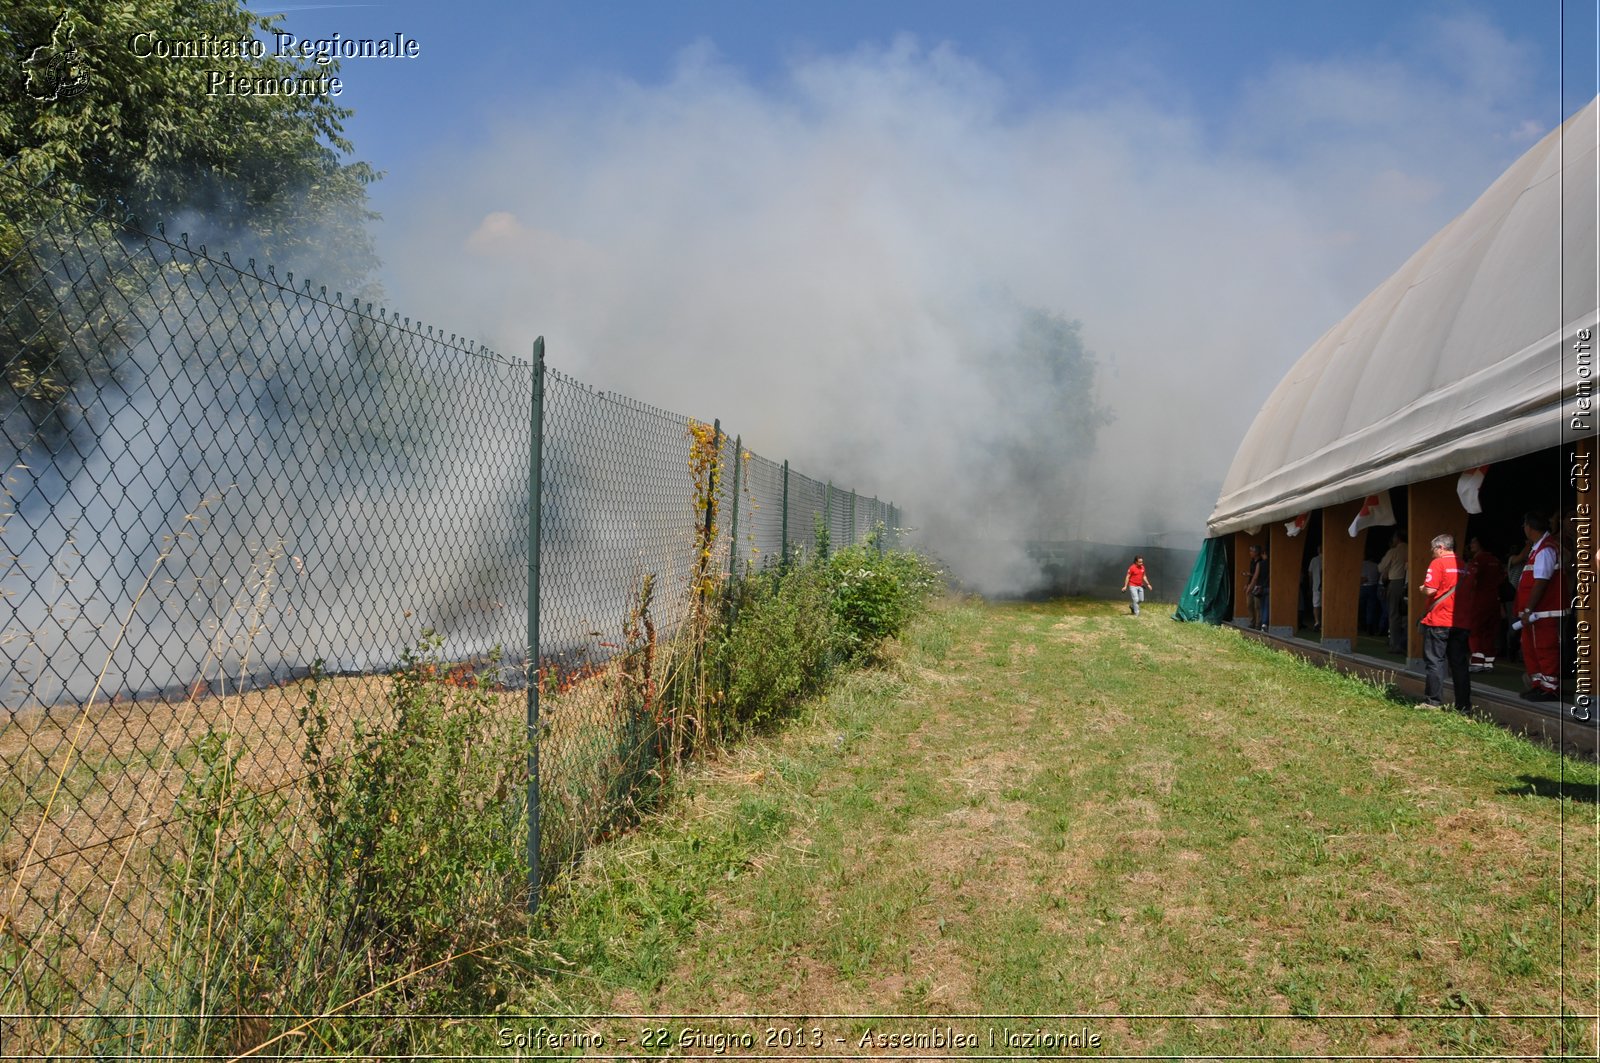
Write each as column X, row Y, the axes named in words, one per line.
column 1058, row 809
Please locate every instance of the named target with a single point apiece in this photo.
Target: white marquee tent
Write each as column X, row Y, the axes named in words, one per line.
column 1460, row 359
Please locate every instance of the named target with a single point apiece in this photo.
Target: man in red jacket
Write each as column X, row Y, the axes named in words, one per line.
column 1444, row 637
column 1540, row 604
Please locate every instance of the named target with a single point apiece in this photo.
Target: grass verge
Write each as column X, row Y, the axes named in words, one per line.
column 1060, row 810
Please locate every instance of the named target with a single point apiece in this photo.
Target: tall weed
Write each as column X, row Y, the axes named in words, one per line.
column 384, row 881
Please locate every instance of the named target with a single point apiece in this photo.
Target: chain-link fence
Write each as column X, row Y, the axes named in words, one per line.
column 644, row 515
column 252, row 535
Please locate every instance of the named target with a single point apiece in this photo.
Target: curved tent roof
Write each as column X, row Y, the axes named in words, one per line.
column 1455, row 361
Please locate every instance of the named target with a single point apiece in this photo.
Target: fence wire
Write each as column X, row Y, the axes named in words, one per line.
column 215, row 481
column 235, row 506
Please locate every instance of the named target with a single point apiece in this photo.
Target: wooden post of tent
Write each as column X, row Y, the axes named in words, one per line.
column 1341, row 576
column 1242, row 541
column 1433, row 508
column 1283, row 607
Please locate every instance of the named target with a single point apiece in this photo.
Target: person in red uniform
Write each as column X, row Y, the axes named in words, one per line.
column 1135, row 583
column 1539, row 605
column 1444, row 630
column 1488, row 608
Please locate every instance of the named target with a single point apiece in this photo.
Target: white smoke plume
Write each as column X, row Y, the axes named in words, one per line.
column 826, row 261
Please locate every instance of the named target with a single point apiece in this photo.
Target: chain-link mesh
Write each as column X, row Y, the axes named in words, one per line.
column 639, row 530
column 761, row 514
column 237, row 513
column 215, row 483
column 617, row 534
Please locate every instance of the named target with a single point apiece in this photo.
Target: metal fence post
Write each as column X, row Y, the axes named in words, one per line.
column 535, row 460
column 783, row 556
column 852, row 516
column 827, row 521
column 733, row 523
column 711, row 482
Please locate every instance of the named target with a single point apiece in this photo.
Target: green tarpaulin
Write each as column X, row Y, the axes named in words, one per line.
column 1208, row 594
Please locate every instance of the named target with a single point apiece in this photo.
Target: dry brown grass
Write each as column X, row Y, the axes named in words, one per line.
column 91, row 803
column 92, row 816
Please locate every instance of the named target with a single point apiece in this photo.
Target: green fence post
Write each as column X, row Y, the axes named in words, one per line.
column 733, row 523
column 827, row 521
column 711, row 478
column 783, row 553
column 535, row 479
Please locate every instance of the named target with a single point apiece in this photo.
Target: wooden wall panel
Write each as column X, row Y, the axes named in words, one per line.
column 1241, row 571
column 1341, row 576
column 1285, row 555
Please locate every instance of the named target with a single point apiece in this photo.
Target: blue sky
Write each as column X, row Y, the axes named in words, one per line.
column 805, row 219
column 481, row 60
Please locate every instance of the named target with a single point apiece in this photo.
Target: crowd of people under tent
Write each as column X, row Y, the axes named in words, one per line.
column 1495, row 612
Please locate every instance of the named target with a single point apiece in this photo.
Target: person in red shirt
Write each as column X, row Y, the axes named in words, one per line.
column 1540, row 605
column 1487, row 620
column 1135, row 583
column 1444, row 626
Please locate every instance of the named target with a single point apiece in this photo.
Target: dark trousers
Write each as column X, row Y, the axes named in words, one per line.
column 1371, row 607
column 1395, row 594
column 1447, row 646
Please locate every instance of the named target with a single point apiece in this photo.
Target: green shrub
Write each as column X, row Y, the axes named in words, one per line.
column 384, row 881
column 776, row 647
column 875, row 594
column 787, row 630
column 422, row 826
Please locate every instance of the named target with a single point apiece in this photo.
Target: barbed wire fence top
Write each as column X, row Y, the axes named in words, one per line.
column 219, row 483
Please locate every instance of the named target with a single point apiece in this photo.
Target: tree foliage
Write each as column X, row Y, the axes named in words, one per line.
column 141, row 134
column 1043, row 380
column 120, row 140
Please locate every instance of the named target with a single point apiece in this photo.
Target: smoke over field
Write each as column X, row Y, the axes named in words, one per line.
column 242, row 478
column 849, row 252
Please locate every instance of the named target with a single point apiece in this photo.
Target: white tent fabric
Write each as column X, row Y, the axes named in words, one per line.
column 1460, row 359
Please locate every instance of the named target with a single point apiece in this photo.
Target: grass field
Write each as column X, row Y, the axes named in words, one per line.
column 1171, row 839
